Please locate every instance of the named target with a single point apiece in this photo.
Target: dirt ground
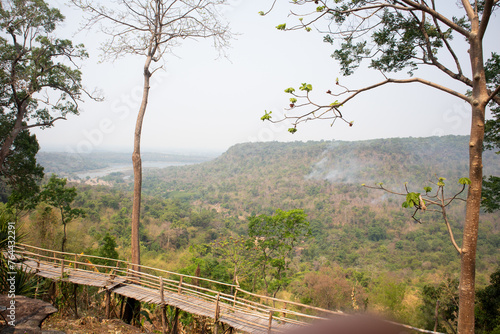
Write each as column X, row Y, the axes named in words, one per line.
column 90, row 325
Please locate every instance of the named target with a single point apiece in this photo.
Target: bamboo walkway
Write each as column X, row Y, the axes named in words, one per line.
column 225, row 303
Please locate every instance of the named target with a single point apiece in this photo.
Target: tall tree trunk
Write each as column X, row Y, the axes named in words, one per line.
column 469, row 243
column 137, row 164
column 133, row 306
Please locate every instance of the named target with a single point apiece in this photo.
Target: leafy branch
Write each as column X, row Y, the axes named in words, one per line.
column 332, row 111
column 430, row 201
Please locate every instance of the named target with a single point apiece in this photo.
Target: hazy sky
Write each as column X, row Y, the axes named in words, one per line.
column 205, row 103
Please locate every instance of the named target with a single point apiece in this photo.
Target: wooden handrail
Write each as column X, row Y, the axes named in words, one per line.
column 127, row 263
column 128, row 276
column 139, row 278
column 292, row 303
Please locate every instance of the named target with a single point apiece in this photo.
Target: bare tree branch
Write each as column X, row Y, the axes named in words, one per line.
column 46, row 124
column 468, row 10
column 493, row 95
column 438, row 16
column 488, row 7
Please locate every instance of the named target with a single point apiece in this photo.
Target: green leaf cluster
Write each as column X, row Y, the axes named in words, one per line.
column 412, row 199
column 441, row 182
column 267, row 116
column 306, row 87
column 464, row 181
column 281, row 26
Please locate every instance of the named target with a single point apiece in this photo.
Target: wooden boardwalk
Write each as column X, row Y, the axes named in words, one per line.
column 225, row 303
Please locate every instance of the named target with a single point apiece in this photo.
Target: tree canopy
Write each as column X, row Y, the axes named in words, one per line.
column 40, row 83
column 56, row 194
column 275, row 237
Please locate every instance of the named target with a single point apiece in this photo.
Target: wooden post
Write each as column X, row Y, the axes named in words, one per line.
column 75, row 289
column 234, row 299
column 122, row 306
column 180, row 285
column 62, row 268
column 216, row 315
column 175, row 329
column 54, row 257
column 163, row 310
column 75, row 262
column 162, row 297
column 284, row 313
column 37, row 266
column 108, row 302
column 270, row 321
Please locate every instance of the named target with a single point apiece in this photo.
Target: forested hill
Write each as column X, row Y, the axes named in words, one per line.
column 265, row 167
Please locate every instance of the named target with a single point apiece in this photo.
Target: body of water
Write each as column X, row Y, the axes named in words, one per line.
column 125, row 168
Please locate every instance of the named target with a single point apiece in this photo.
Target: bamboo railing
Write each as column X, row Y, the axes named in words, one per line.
column 159, row 286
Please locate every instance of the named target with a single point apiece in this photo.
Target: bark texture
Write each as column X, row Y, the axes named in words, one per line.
column 469, row 243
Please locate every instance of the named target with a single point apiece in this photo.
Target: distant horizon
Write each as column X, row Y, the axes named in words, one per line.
column 215, row 152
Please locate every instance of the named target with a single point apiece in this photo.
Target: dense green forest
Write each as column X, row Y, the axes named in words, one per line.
column 362, row 249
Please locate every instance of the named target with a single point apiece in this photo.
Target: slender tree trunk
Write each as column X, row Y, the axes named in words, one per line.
column 64, row 238
column 234, row 277
column 469, row 243
column 137, row 164
column 133, row 305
